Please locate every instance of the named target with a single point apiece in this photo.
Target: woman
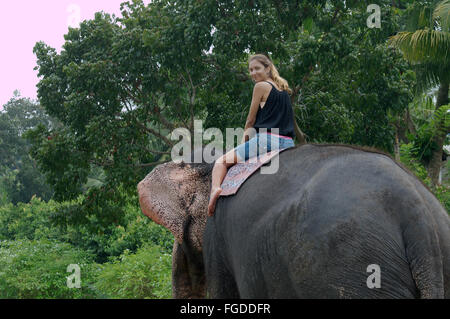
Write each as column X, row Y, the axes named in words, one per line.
column 270, row 108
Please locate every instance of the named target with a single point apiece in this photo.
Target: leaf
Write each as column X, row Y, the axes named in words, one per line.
column 442, row 13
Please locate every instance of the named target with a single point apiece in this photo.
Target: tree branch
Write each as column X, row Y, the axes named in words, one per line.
column 191, row 103
column 163, row 120
column 130, row 94
column 153, row 151
column 152, row 163
column 178, row 113
column 152, row 131
column 409, row 123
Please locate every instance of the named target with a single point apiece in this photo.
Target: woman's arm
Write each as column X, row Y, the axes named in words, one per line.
column 247, row 131
column 258, row 92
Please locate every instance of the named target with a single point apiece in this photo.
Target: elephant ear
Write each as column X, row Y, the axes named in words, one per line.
column 161, row 204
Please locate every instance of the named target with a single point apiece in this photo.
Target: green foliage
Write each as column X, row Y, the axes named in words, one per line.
column 19, row 176
column 139, row 230
column 4, row 198
column 423, row 143
column 30, row 221
column 65, row 222
column 442, row 193
column 426, row 45
column 111, row 240
column 409, row 158
column 33, row 242
column 424, row 146
column 145, row 274
column 65, row 170
column 351, row 81
column 426, row 37
column 11, row 146
column 38, row 269
column 442, row 14
column 21, row 184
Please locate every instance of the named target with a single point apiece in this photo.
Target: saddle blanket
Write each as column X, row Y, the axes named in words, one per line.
column 240, row 172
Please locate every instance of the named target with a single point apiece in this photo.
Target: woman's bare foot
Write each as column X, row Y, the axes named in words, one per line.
column 212, row 200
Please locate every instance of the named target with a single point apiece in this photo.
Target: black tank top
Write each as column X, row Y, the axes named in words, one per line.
column 276, row 113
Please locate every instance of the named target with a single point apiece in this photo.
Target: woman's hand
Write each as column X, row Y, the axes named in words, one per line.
column 246, row 135
column 244, row 139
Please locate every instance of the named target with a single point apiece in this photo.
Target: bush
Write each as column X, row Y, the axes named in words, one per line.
column 28, row 221
column 38, row 269
column 146, row 274
column 61, row 222
column 114, row 239
column 442, row 193
column 39, row 240
column 4, row 198
column 139, row 230
column 408, row 158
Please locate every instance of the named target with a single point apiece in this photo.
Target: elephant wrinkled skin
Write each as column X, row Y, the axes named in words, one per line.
column 312, row 230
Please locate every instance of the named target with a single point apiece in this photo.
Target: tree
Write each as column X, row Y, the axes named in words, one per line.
column 19, row 174
column 351, row 80
column 121, row 90
column 428, row 49
column 120, row 86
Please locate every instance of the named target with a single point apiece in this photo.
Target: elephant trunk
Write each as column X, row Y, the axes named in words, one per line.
column 188, row 272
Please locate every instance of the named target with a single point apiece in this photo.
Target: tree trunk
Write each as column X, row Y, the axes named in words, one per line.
column 396, row 147
column 439, row 138
column 410, row 123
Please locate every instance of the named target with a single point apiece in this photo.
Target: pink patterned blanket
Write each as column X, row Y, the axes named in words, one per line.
column 240, row 172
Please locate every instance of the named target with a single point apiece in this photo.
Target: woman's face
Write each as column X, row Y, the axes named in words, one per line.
column 257, row 71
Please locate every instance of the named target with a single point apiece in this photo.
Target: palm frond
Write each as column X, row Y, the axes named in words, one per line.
column 440, row 121
column 425, row 18
column 422, row 107
column 429, row 74
column 418, row 16
column 423, row 45
column 426, row 77
column 442, row 14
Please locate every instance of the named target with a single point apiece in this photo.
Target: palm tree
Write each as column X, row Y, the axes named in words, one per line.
column 428, row 49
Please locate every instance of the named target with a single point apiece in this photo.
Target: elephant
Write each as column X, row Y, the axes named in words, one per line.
column 335, row 221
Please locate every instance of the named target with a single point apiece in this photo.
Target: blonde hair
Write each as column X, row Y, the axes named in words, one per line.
column 274, row 75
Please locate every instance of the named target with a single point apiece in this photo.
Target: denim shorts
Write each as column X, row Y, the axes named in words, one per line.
column 261, row 144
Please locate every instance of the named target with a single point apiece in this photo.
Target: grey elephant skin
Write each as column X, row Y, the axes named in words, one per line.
column 315, row 229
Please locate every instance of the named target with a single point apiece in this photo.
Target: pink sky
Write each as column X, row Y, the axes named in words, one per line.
column 25, row 22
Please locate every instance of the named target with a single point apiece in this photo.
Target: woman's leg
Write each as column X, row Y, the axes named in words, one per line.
column 218, row 174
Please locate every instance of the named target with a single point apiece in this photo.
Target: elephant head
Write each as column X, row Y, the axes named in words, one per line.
column 176, row 196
